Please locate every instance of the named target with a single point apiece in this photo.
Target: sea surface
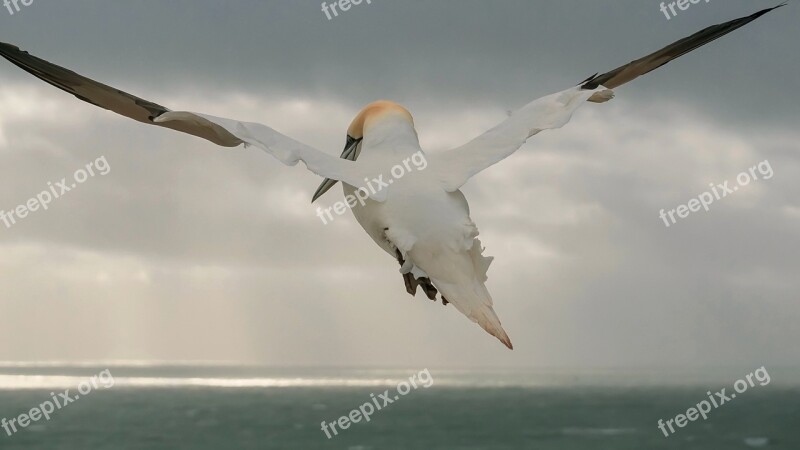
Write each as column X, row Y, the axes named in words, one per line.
column 169, row 407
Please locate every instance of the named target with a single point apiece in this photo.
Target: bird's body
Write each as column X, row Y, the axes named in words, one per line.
column 427, row 227
column 421, row 218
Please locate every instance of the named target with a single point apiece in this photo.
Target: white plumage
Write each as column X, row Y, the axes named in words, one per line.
column 423, row 214
column 422, row 219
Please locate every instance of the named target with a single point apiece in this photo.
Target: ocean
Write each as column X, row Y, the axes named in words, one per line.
column 148, row 406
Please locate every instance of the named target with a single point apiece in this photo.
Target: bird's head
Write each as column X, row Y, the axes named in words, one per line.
column 375, row 113
column 382, row 112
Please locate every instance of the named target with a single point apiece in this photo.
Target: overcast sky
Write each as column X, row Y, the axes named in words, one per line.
column 186, row 251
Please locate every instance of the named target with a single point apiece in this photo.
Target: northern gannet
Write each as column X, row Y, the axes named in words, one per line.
column 422, row 219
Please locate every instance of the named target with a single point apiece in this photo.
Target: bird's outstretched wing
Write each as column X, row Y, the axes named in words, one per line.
column 554, row 111
column 224, row 132
column 285, row 149
column 641, row 66
column 108, row 97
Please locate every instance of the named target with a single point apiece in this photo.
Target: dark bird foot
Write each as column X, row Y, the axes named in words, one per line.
column 411, row 282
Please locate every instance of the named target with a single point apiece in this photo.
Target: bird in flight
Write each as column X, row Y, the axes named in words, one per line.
column 421, row 219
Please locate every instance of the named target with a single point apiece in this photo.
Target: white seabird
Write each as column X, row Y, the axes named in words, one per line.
column 422, row 219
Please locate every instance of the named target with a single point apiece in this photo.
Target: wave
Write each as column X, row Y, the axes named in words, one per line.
column 44, row 382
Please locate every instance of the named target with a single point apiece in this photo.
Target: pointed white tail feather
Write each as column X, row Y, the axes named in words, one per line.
column 457, row 268
column 489, row 321
column 474, row 302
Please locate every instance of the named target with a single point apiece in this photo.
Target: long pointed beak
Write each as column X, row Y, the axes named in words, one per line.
column 350, row 153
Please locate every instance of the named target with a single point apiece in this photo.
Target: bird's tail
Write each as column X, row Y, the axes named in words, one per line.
column 470, row 296
column 474, row 301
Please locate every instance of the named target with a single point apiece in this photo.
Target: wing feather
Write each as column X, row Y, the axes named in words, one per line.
column 107, row 97
column 555, row 110
column 641, row 66
column 223, row 132
column 287, row 150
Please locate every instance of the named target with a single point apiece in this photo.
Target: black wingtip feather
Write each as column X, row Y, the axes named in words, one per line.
column 681, row 47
